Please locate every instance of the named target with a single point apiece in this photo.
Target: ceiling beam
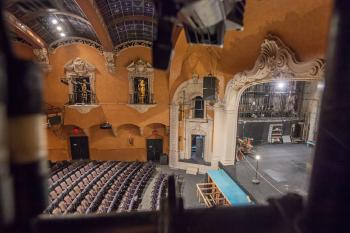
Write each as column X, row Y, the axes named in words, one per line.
column 93, row 15
column 46, row 12
column 24, row 31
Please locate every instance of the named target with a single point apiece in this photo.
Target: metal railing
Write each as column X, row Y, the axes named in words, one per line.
column 77, row 98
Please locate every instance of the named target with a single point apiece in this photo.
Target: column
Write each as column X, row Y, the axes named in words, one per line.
column 229, row 132
column 173, row 137
column 314, row 107
column 218, row 135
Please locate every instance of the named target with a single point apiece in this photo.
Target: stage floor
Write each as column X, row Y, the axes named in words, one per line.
column 283, row 168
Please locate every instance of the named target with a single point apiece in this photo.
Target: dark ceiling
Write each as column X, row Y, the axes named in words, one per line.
column 128, row 20
column 39, row 16
column 56, row 21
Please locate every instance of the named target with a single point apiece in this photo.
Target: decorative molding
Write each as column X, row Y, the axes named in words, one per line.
column 141, row 108
column 199, row 127
column 275, row 62
column 43, row 59
column 110, row 63
column 78, row 66
column 76, row 69
column 136, row 69
column 132, row 43
column 83, row 109
column 74, row 40
column 278, row 61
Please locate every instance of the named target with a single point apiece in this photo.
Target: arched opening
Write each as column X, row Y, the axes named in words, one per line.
column 198, row 111
column 262, row 104
column 277, row 123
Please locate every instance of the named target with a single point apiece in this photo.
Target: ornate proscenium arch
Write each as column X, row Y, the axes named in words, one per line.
column 275, row 62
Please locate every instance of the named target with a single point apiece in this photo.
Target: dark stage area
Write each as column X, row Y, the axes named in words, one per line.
column 282, row 168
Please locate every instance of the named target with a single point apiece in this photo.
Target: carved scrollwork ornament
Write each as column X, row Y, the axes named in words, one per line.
column 279, row 61
column 132, row 43
column 110, row 63
column 42, row 58
column 74, row 40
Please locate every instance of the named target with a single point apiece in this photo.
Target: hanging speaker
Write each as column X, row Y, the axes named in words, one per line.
column 209, row 88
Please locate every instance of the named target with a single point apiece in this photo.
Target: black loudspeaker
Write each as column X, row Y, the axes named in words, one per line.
column 209, row 88
column 54, row 120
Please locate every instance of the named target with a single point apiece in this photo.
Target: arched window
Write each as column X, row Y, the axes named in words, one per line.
column 198, row 107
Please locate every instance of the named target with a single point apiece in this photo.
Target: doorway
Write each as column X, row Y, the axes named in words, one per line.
column 79, row 146
column 154, row 149
column 197, row 148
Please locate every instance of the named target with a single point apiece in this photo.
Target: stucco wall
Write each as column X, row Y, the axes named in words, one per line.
column 112, row 92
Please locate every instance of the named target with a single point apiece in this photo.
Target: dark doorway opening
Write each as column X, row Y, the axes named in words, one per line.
column 154, row 149
column 197, row 148
column 79, row 146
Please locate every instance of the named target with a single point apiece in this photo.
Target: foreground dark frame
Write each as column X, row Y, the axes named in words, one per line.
column 325, row 210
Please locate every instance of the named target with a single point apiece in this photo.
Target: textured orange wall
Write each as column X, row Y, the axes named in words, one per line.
column 302, row 25
column 112, row 94
column 23, row 51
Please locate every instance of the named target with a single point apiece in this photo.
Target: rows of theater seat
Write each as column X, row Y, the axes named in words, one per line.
column 96, row 186
column 159, row 190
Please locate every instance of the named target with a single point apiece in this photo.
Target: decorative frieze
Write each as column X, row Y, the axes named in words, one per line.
column 42, row 58
column 74, row 40
column 132, row 43
column 141, row 108
column 80, row 77
column 110, row 63
column 277, row 61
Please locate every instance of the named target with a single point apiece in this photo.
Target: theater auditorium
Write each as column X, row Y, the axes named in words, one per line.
column 173, row 115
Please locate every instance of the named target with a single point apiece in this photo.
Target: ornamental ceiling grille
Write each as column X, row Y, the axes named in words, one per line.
column 128, row 20
column 53, row 20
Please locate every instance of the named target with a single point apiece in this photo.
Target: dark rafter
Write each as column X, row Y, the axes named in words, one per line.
column 39, row 16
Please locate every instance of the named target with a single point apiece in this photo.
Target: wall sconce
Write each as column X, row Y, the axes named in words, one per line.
column 131, row 140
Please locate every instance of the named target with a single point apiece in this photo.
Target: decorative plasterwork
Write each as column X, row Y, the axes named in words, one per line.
column 198, row 127
column 185, row 93
column 141, row 108
column 74, row 40
column 132, row 43
column 279, row 62
column 140, row 68
column 79, row 66
column 275, row 62
column 110, row 64
column 76, row 69
column 42, row 58
column 83, row 109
